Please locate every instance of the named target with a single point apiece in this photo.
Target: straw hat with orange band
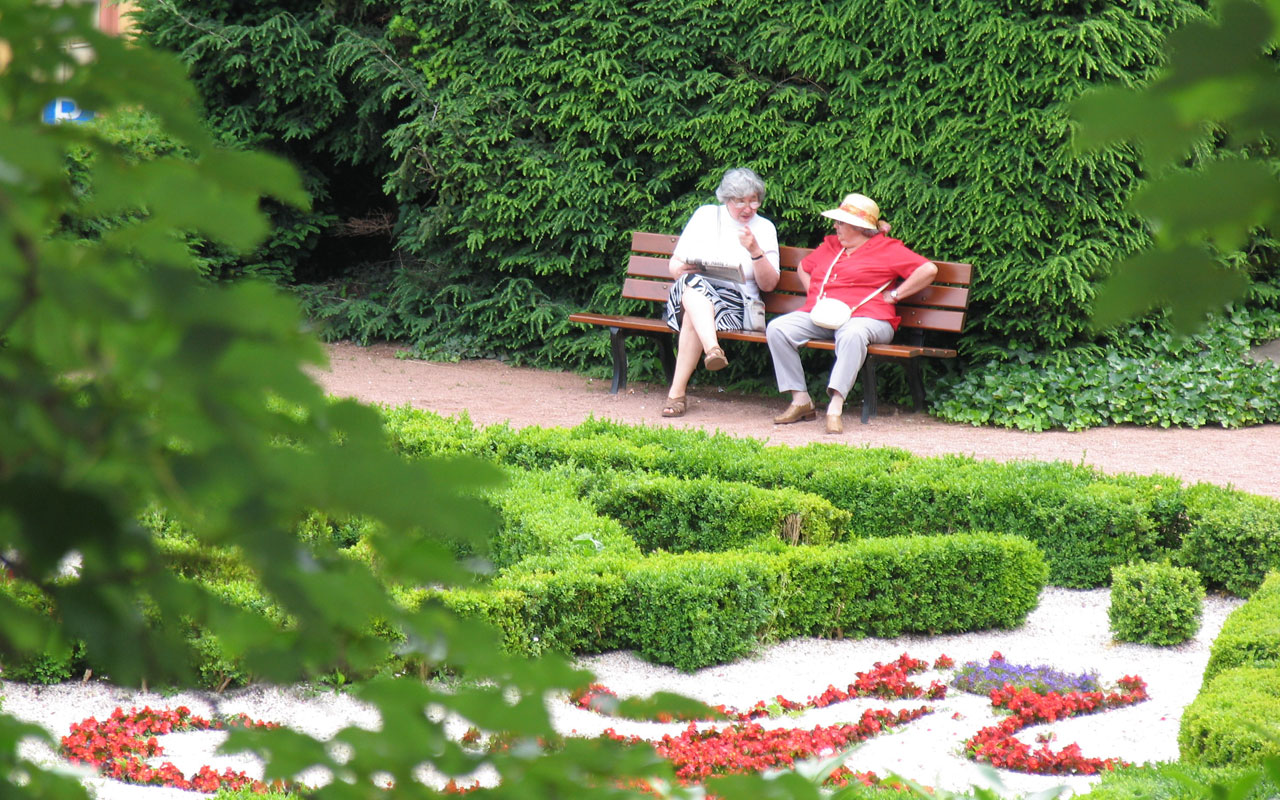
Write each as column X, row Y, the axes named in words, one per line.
column 858, row 210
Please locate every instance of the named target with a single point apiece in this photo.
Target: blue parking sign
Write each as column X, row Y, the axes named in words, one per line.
column 64, row 109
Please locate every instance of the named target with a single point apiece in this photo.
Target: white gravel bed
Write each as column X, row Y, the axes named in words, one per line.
column 1068, row 630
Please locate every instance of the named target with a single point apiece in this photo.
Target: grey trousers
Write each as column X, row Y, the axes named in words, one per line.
column 787, row 333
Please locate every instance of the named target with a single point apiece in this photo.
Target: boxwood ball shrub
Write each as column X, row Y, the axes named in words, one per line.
column 1235, row 721
column 1155, row 603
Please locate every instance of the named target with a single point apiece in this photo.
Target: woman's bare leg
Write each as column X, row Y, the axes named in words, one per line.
column 700, row 315
column 688, row 351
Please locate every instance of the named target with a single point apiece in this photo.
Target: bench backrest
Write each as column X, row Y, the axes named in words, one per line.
column 938, row 307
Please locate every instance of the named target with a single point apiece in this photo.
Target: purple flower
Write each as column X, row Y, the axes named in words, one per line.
column 978, row 678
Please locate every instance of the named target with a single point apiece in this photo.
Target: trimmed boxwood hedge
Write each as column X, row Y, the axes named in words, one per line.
column 1250, row 636
column 1234, row 721
column 681, row 515
column 928, row 585
column 1085, row 521
column 1158, row 781
column 540, row 513
column 1232, row 538
column 696, row 609
column 24, row 601
column 574, row 580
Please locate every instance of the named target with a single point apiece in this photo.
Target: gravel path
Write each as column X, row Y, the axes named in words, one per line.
column 1068, row 630
column 492, row 392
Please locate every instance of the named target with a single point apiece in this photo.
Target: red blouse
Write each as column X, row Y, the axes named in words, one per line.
column 859, row 272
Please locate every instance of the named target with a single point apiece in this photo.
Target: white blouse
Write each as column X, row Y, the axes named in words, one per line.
column 712, row 234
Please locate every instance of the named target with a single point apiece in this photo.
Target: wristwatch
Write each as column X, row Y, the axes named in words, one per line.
column 893, row 295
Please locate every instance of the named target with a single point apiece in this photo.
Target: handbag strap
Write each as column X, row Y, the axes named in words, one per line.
column 874, row 292
column 823, row 288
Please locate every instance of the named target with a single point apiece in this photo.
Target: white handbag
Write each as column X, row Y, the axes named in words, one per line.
column 831, row 313
column 753, row 316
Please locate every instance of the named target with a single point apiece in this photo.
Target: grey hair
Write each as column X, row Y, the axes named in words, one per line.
column 738, row 183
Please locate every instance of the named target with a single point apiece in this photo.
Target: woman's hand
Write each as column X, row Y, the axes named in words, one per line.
column 677, row 268
column 748, row 240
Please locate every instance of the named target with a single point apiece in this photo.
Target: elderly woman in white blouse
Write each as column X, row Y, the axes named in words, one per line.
column 699, row 305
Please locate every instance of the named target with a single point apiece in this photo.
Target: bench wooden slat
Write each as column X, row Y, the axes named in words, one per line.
column 909, row 351
column 644, row 324
column 665, row 244
column 934, row 295
column 792, row 256
column 633, row 289
column 649, row 266
column 931, row 319
column 653, row 243
column 782, row 303
column 789, row 281
column 953, row 272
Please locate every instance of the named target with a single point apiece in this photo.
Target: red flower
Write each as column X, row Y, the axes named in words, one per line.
column 998, row 746
column 882, row 680
column 119, row 747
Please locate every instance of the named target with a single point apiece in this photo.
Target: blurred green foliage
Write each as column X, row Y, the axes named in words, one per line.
column 1218, row 86
column 129, row 383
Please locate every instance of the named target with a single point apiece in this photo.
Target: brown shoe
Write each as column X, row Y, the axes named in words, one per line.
column 715, row 359
column 675, row 407
column 795, row 413
column 835, row 423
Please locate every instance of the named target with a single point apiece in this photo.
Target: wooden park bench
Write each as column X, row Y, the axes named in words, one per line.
column 941, row 306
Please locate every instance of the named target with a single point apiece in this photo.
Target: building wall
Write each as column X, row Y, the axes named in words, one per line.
column 113, row 17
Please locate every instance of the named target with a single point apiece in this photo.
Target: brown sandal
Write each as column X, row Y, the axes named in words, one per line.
column 715, row 359
column 675, row 407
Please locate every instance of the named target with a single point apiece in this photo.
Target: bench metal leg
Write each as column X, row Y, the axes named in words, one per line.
column 667, row 354
column 618, row 344
column 868, row 388
column 917, row 385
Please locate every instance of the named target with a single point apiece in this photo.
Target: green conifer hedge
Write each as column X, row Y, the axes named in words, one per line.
column 504, row 150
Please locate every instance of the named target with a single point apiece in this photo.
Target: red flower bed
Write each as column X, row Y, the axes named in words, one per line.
column 888, row 681
column 698, row 755
column 998, row 746
column 119, row 747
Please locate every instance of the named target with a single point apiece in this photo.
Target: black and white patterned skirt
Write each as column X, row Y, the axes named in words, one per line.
column 730, row 304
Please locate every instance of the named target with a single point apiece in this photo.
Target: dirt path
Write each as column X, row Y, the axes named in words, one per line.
column 493, row 392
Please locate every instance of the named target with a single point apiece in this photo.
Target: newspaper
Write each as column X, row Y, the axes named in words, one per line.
column 719, row 270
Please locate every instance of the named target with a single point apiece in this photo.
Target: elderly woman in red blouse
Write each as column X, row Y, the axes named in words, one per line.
column 862, row 266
